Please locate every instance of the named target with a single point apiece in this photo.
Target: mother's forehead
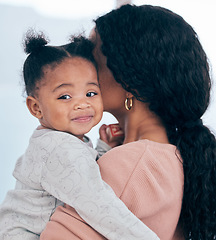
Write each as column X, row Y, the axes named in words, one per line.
column 93, row 35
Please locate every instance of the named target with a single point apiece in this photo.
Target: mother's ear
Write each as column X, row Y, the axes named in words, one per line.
column 129, row 95
column 34, row 107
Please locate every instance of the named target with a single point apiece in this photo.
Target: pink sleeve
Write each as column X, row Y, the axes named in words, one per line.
column 66, row 224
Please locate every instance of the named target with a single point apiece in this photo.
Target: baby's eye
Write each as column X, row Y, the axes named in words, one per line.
column 65, row 97
column 91, row 94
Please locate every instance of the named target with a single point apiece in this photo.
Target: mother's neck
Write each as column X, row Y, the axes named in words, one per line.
column 140, row 123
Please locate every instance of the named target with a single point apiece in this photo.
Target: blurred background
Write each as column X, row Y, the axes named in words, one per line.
column 59, row 19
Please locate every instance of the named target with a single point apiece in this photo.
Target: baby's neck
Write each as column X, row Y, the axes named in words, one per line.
column 81, row 137
column 41, row 127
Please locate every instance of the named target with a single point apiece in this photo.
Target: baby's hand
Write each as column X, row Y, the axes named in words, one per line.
column 111, row 134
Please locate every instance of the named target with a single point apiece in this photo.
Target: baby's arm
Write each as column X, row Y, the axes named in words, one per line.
column 110, row 136
column 73, row 176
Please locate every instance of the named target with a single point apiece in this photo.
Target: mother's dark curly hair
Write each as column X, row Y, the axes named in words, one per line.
column 154, row 54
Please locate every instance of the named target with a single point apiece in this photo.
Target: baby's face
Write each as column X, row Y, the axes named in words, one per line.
column 69, row 97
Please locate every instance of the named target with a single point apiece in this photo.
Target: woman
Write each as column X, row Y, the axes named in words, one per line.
column 154, row 78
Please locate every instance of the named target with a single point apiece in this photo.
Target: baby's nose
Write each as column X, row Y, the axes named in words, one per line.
column 81, row 105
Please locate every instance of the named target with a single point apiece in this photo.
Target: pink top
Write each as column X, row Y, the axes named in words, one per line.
column 148, row 177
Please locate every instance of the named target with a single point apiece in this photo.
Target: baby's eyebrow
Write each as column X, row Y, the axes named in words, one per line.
column 62, row 85
column 93, row 83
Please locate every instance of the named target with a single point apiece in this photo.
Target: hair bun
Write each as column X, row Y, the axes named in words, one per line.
column 34, row 41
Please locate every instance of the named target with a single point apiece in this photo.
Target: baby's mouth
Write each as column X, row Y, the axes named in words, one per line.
column 83, row 119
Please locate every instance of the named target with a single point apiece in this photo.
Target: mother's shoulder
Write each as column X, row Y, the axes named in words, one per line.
column 142, row 154
column 138, row 148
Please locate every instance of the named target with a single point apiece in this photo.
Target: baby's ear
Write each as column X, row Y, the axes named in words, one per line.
column 34, row 107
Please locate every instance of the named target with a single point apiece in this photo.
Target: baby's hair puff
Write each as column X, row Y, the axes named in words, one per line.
column 34, row 42
column 40, row 55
